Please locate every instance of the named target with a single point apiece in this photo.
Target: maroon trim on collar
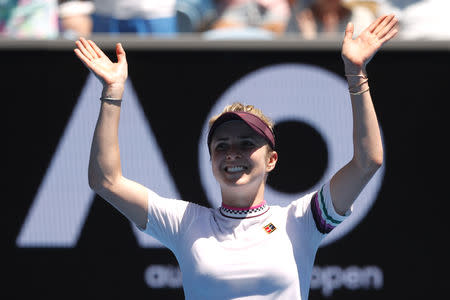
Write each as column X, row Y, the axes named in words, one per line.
column 244, row 208
column 254, row 122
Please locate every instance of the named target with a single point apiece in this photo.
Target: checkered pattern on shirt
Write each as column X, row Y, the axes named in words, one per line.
column 244, row 213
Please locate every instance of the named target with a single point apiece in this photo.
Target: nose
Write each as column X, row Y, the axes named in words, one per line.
column 233, row 153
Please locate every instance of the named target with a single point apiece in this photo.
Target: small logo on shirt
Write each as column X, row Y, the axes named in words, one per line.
column 269, row 228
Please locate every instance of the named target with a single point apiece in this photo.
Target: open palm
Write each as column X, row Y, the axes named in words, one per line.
column 108, row 72
column 359, row 51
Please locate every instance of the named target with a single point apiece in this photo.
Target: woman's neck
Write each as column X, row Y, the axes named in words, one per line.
column 239, row 198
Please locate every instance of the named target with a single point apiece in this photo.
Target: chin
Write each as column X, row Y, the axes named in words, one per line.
column 241, row 182
column 235, row 183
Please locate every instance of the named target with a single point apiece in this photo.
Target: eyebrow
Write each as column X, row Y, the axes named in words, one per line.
column 242, row 137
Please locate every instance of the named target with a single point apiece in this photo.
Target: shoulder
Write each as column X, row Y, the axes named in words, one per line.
column 160, row 208
column 317, row 208
column 300, row 206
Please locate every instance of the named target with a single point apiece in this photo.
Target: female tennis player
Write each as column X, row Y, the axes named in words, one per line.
column 245, row 249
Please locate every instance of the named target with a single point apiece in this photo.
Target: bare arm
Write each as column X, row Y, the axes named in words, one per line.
column 349, row 181
column 105, row 173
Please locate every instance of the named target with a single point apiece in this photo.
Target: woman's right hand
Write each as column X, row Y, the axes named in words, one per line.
column 112, row 75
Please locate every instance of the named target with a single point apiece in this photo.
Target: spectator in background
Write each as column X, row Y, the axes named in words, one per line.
column 6, row 9
column 330, row 17
column 269, row 17
column 75, row 18
column 420, row 19
column 29, row 19
column 135, row 16
column 195, row 15
column 396, row 6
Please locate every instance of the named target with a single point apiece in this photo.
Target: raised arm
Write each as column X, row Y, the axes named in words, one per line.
column 349, row 181
column 105, row 173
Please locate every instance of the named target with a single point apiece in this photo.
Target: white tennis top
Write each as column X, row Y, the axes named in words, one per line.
column 266, row 252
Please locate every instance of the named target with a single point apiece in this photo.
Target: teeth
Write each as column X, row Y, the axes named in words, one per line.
column 235, row 169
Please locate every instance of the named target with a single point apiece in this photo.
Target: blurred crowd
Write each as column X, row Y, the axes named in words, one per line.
column 217, row 19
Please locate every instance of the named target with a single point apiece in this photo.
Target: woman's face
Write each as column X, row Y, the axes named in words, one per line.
column 239, row 156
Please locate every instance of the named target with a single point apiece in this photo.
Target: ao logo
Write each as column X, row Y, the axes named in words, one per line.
column 305, row 94
column 63, row 200
column 286, row 92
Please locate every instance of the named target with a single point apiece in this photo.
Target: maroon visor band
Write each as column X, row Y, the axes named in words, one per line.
column 254, row 122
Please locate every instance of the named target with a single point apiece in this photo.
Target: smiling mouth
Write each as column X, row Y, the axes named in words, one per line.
column 235, row 169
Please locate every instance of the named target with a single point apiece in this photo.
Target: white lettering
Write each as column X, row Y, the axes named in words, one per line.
column 331, row 278
column 327, row 278
column 163, row 276
column 351, row 278
column 372, row 276
column 63, row 200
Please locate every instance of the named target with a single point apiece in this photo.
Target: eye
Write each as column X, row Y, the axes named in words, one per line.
column 247, row 144
column 221, row 146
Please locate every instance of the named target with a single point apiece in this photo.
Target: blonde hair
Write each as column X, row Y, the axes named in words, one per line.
column 237, row 106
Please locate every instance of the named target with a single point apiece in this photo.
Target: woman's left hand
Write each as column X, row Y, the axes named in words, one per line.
column 357, row 52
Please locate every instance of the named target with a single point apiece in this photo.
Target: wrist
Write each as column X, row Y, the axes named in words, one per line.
column 354, row 69
column 113, row 91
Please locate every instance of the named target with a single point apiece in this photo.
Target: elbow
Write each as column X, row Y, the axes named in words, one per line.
column 374, row 164
column 99, row 183
column 94, row 184
column 93, row 178
column 100, row 178
column 370, row 163
column 376, row 159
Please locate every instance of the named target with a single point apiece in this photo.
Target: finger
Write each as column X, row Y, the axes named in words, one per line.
column 120, row 52
column 83, row 49
column 376, row 23
column 390, row 35
column 383, row 24
column 349, row 31
column 97, row 50
column 88, row 47
column 392, row 24
column 83, row 58
column 88, row 63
